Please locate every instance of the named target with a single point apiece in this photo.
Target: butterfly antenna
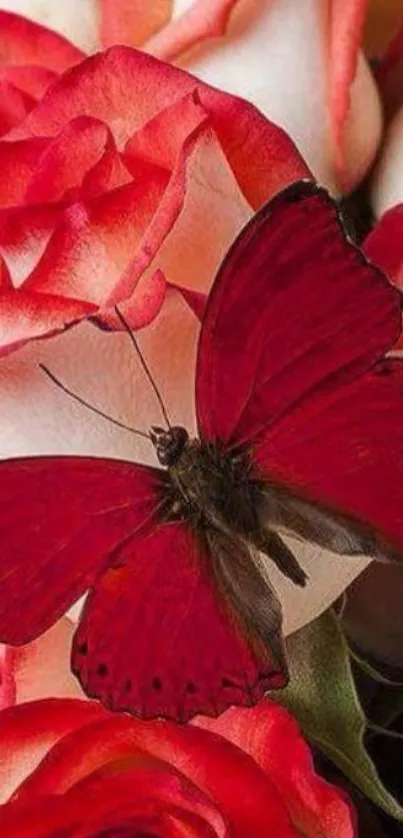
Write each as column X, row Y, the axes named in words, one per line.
column 89, row 406
column 143, row 364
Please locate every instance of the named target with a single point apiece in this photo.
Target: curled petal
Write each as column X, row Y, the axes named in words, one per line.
column 24, row 42
column 132, row 22
column 31, row 80
column 29, row 730
column 17, row 164
column 269, row 734
column 67, row 164
column 214, row 765
column 126, row 89
column 25, row 316
column 204, row 19
column 14, row 106
column 141, row 794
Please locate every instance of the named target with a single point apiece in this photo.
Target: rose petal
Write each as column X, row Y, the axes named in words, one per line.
column 279, row 47
column 132, row 22
column 42, row 668
column 14, row 106
column 27, row 731
column 211, row 191
column 272, row 738
column 24, row 235
column 141, row 793
column 32, row 80
column 387, row 181
column 17, row 162
column 141, row 308
column 125, row 89
column 27, row 316
column 7, row 679
column 202, row 20
column 68, row 160
column 347, row 18
column 24, row 42
column 217, row 767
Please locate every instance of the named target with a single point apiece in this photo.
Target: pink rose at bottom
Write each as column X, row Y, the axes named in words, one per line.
column 70, row 768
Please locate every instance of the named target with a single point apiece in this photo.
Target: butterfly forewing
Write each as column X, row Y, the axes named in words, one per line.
column 295, row 309
column 61, row 519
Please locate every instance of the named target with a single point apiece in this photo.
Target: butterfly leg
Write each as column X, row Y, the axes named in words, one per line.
column 271, row 545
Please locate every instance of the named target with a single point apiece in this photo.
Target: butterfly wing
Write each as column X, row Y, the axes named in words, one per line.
column 346, row 453
column 157, row 638
column 296, row 320
column 295, row 310
column 61, row 519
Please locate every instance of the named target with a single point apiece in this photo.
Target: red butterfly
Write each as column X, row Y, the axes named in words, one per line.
column 300, row 419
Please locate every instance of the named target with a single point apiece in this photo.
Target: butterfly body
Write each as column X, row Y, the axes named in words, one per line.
column 299, row 421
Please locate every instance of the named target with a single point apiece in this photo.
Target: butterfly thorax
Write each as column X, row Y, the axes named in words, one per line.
column 209, row 485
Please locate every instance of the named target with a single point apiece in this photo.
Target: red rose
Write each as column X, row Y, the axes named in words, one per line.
column 108, row 177
column 70, row 768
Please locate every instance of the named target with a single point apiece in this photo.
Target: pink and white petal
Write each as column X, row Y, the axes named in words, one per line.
column 14, row 106
column 270, row 735
column 90, row 254
column 125, row 89
column 27, row 316
column 28, row 731
column 42, row 668
column 141, row 308
column 7, row 677
column 67, row 159
column 17, row 162
column 274, row 44
column 24, row 42
column 203, row 19
column 387, row 181
column 210, row 191
column 24, row 235
column 132, row 22
column 191, row 254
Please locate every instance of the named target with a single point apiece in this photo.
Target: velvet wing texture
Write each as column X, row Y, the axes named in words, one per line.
column 61, row 521
column 291, row 365
column 158, row 638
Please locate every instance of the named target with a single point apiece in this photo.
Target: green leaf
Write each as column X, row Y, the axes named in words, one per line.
column 323, row 698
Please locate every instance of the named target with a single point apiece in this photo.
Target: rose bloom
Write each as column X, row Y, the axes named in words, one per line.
column 69, row 767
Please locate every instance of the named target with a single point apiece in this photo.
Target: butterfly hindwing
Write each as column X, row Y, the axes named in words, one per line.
column 61, row 519
column 346, row 456
column 156, row 638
